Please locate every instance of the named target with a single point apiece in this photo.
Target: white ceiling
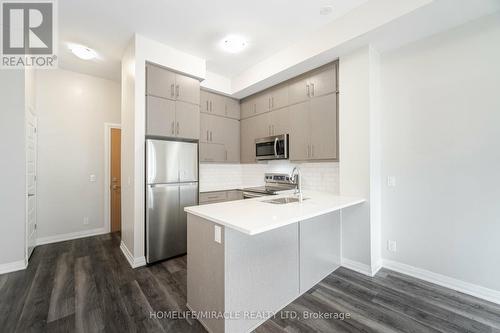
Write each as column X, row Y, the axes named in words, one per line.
column 192, row 26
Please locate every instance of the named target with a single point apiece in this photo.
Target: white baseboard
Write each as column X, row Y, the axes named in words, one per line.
column 360, row 267
column 444, row 281
column 134, row 262
column 13, row 266
column 70, row 236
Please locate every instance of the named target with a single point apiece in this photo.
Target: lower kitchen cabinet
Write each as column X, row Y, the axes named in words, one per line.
column 220, row 196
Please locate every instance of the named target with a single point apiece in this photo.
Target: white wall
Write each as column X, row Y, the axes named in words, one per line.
column 72, row 109
column 128, row 148
column 357, row 131
column 12, row 166
column 441, row 140
column 316, row 176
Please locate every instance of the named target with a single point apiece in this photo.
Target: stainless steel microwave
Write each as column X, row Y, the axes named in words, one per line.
column 272, row 148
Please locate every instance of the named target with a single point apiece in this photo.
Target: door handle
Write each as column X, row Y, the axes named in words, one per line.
column 210, row 136
column 275, row 147
column 211, row 106
column 31, row 194
column 177, row 127
column 308, row 91
column 207, row 136
column 115, row 187
column 226, row 156
column 172, row 90
column 177, row 90
column 173, row 128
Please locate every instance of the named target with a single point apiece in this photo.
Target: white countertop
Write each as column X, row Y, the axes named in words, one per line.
column 253, row 216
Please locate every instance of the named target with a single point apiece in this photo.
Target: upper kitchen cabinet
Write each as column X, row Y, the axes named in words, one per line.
column 222, row 136
column 323, row 122
column 161, row 82
column 170, row 118
column 298, row 91
column 160, row 116
column 317, row 83
column 313, row 129
column 187, row 118
column 252, row 128
column 255, row 105
column 323, row 82
column 219, row 105
column 278, row 97
column 232, row 108
column 187, row 89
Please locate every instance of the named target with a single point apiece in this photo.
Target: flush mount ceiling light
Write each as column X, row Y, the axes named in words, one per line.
column 233, row 44
column 83, row 52
column 326, row 10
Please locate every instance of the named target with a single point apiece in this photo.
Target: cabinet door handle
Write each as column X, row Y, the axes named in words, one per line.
column 211, row 106
column 272, row 102
column 226, row 156
column 177, row 127
column 172, row 128
column 308, row 151
column 177, row 90
column 255, row 108
column 210, row 136
column 207, row 135
column 312, row 89
column 312, row 150
column 207, row 105
column 172, row 90
column 307, row 91
column 269, row 102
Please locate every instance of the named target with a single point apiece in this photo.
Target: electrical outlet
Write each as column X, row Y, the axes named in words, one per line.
column 391, row 181
column 85, row 220
column 217, row 234
column 392, row 245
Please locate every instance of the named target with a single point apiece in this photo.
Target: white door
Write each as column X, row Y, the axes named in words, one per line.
column 31, row 167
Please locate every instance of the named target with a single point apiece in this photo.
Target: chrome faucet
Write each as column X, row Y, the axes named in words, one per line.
column 297, row 177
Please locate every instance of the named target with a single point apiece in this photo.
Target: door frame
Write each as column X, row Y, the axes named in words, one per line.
column 107, row 166
column 30, row 114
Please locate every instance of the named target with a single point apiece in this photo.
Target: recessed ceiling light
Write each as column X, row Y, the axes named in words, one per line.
column 326, row 10
column 83, row 52
column 233, row 44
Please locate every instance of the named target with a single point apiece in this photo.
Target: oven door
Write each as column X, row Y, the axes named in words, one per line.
column 272, row 148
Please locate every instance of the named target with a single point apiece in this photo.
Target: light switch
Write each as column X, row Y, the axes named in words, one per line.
column 217, row 234
column 92, row 178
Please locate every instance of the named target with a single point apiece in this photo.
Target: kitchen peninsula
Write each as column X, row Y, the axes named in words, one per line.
column 250, row 258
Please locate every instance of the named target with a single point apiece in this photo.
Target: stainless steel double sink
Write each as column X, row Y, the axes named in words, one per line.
column 284, row 201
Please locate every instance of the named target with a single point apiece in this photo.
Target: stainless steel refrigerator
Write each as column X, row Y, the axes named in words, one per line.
column 171, row 185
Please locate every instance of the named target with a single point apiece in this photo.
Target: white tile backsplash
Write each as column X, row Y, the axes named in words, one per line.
column 322, row 176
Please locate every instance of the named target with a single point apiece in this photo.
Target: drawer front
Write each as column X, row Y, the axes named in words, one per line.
column 212, row 197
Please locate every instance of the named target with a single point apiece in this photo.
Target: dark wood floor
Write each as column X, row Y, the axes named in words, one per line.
column 86, row 285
